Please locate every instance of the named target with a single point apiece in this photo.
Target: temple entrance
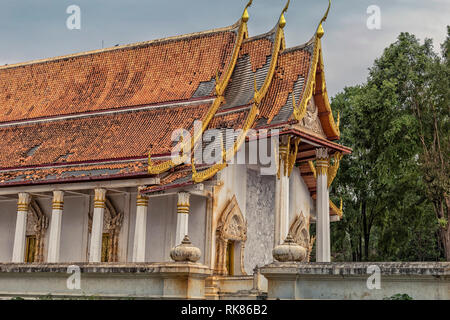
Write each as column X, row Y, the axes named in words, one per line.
column 30, row 248
column 231, row 235
column 230, row 258
column 37, row 224
column 105, row 247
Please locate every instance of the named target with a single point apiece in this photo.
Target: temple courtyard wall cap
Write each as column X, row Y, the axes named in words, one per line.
column 289, row 251
column 185, row 251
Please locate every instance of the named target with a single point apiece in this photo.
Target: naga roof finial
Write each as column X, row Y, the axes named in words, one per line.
column 245, row 15
column 282, row 21
column 320, row 31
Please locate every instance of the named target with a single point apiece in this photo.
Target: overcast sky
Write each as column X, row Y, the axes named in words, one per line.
column 36, row 29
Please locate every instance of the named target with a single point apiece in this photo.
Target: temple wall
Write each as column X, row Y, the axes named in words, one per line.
column 162, row 223
column 74, row 228
column 300, row 200
column 231, row 182
column 161, row 227
column 260, row 207
column 8, row 213
column 197, row 224
column 357, row 280
column 122, row 204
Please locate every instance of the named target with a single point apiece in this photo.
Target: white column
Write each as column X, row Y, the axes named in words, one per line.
column 95, row 251
column 182, row 216
column 21, row 227
column 323, row 207
column 282, row 196
column 140, row 231
column 55, row 227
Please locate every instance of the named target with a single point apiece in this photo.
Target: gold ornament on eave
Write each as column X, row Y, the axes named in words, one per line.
column 320, row 31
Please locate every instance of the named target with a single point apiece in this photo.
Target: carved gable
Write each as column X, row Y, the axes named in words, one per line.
column 311, row 120
column 232, row 225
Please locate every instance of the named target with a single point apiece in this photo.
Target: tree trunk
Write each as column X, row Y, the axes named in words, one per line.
column 445, row 239
column 366, row 231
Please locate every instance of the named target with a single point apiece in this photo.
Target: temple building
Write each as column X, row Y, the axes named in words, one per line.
column 88, row 177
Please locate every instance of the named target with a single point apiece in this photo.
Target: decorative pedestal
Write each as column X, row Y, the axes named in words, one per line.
column 289, row 251
column 185, row 251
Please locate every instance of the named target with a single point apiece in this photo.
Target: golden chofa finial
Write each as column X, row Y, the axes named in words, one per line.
column 320, row 31
column 282, row 21
column 245, row 15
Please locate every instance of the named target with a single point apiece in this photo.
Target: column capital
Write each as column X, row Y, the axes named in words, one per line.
column 183, row 198
column 322, row 154
column 100, row 198
column 283, row 156
column 100, row 194
column 24, row 201
column 183, row 202
column 58, row 200
column 322, row 162
column 141, row 200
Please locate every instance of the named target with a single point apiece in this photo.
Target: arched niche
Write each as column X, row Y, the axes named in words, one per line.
column 231, row 234
column 37, row 225
column 299, row 231
column 112, row 224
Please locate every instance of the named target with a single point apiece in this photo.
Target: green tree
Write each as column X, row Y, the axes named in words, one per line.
column 388, row 197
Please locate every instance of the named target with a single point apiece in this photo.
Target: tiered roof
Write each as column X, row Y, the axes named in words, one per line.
column 97, row 115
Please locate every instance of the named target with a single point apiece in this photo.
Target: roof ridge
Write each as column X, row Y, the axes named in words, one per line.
column 262, row 35
column 301, row 46
column 125, row 46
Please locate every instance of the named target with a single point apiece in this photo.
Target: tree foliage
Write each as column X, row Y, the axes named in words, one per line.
column 395, row 184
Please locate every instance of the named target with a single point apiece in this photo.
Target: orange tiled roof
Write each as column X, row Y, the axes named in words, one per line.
column 170, row 82
column 141, row 74
column 106, row 136
column 292, row 66
column 75, row 172
column 258, row 49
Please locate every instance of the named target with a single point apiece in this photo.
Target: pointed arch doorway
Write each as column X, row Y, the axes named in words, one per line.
column 231, row 234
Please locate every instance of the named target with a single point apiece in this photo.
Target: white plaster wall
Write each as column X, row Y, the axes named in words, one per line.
column 74, row 229
column 300, row 200
column 197, row 224
column 161, row 227
column 162, row 223
column 234, row 182
column 231, row 182
column 8, row 212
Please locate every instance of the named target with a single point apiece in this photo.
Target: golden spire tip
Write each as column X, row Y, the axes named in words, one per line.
column 320, row 31
column 245, row 15
column 282, row 21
